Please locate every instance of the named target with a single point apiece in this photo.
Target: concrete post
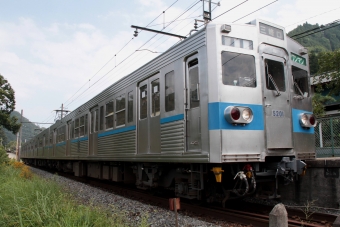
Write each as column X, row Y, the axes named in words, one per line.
column 278, row 216
column 337, row 222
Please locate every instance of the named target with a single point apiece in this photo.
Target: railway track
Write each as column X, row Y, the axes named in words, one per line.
column 249, row 215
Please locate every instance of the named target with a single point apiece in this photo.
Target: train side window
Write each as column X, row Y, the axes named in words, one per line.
column 143, row 102
column 130, row 107
column 194, row 84
column 300, row 78
column 81, row 126
column 51, row 138
column 69, row 132
column 101, row 120
column 109, row 115
column 97, row 120
column 155, row 98
column 169, row 91
column 86, row 125
column 92, row 121
column 76, row 128
column 72, row 130
column 275, row 73
column 238, row 69
column 120, row 110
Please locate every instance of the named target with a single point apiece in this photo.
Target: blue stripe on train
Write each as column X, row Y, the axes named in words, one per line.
column 172, row 118
column 116, row 131
column 296, row 122
column 217, row 121
column 80, row 139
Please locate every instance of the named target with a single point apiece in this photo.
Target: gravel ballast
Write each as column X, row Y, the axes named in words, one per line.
column 135, row 210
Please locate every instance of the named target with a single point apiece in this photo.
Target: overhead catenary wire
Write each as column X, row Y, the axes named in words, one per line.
column 318, row 31
column 255, row 11
column 195, row 3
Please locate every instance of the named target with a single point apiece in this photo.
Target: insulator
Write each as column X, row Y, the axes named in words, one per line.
column 136, row 33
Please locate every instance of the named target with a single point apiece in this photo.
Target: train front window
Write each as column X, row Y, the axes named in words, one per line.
column 300, row 78
column 275, row 75
column 238, row 69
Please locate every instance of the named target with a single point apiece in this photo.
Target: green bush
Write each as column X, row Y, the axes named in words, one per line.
column 3, row 156
column 41, row 202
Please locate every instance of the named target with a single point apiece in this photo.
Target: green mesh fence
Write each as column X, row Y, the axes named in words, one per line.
column 327, row 137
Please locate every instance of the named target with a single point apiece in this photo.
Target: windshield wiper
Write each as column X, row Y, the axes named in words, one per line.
column 298, row 88
column 273, row 81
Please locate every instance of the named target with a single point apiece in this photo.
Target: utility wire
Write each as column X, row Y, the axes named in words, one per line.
column 318, row 31
column 317, row 28
column 311, row 17
column 117, row 54
column 230, row 9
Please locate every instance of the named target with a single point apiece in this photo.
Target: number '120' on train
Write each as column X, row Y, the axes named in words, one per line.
column 208, row 118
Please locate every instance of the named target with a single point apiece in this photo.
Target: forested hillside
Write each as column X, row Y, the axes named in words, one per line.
column 28, row 130
column 316, row 42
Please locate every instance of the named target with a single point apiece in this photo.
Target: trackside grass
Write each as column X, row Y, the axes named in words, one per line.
column 28, row 200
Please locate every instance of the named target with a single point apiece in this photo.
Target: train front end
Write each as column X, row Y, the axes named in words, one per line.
column 260, row 109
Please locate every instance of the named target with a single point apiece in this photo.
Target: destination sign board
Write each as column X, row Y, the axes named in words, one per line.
column 298, row 59
column 271, row 31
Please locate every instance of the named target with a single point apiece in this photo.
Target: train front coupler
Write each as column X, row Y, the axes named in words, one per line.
column 289, row 168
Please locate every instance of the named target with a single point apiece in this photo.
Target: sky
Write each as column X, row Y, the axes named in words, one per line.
column 65, row 52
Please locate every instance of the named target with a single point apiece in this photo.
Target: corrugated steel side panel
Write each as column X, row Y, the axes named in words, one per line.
column 60, row 151
column 122, row 143
column 172, row 137
column 84, row 148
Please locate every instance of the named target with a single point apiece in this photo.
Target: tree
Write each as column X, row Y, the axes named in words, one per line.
column 7, row 105
column 329, row 71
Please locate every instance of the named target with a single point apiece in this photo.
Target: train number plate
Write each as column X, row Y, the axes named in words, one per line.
column 278, row 113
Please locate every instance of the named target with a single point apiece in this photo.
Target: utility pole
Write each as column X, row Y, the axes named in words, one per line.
column 62, row 111
column 19, row 139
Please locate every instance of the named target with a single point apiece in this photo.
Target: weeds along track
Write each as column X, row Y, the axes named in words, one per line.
column 237, row 212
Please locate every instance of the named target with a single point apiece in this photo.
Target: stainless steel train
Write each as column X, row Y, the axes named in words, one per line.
column 210, row 118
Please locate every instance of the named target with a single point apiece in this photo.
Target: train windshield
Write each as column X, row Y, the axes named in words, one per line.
column 238, row 69
column 275, row 75
column 300, row 78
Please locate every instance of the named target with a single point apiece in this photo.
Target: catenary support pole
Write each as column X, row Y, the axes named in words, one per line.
column 19, row 139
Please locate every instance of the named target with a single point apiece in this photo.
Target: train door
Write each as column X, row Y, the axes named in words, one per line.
column 149, row 116
column 193, row 109
column 276, row 96
column 93, row 131
column 68, row 138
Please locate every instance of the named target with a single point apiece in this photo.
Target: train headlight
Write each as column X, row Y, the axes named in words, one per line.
column 307, row 120
column 247, row 114
column 238, row 115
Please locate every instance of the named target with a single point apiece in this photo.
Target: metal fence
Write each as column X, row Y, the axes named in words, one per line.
column 327, row 137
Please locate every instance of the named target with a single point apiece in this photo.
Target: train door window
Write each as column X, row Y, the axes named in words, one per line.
column 170, row 91
column 275, row 75
column 92, row 121
column 72, row 130
column 101, row 120
column 194, row 84
column 130, row 107
column 69, row 130
column 97, row 121
column 86, row 125
column 238, row 69
column 76, row 128
column 300, row 78
column 44, row 141
column 120, row 110
column 109, row 115
column 155, row 98
column 143, row 102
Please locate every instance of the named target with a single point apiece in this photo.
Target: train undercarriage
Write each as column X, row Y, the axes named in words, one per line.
column 208, row 182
